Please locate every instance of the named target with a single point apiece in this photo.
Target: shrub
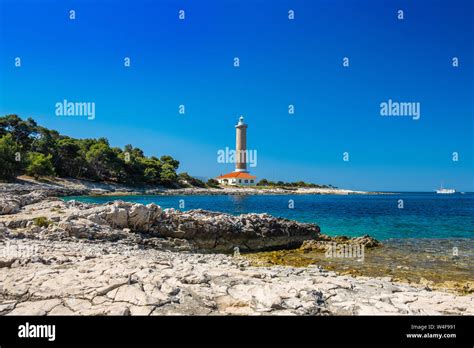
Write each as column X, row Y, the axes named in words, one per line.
column 213, row 183
column 41, row 221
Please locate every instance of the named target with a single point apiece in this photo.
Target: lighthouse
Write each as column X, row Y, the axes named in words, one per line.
column 241, row 146
column 240, row 176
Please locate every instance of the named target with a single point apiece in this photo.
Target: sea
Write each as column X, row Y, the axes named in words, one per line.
column 383, row 216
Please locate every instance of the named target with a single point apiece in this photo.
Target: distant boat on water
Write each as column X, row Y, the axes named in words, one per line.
column 445, row 191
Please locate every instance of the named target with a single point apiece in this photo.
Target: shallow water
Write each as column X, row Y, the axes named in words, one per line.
column 409, row 260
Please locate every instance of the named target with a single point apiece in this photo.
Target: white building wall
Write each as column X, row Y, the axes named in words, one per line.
column 238, row 182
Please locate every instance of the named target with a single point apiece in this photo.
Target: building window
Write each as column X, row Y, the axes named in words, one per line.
column 240, row 181
column 246, row 181
column 251, row 181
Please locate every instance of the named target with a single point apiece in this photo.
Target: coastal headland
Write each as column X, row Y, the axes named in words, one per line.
column 75, row 187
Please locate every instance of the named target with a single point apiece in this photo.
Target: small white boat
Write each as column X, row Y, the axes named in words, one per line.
column 445, row 191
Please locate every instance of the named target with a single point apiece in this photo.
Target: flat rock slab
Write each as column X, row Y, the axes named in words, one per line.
column 105, row 278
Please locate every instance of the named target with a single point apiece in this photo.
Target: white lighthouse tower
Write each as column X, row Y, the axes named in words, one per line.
column 241, row 146
column 240, row 176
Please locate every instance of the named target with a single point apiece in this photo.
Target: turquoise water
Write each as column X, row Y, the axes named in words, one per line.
column 424, row 215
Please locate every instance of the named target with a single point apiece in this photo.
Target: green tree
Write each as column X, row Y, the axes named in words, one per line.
column 11, row 163
column 23, row 132
column 151, row 175
column 133, row 166
column 70, row 160
column 151, row 168
column 102, row 160
column 168, row 175
column 39, row 165
column 171, row 161
column 263, row 182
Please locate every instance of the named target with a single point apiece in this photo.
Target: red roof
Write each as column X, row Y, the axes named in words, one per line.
column 239, row 175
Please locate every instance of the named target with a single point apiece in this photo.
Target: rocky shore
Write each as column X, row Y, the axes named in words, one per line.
column 105, row 278
column 60, row 257
column 74, row 187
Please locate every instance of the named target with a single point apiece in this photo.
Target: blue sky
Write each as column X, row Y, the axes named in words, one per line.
column 283, row 62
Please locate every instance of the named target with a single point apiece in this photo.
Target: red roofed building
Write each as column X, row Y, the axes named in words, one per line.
column 237, row 178
column 240, row 176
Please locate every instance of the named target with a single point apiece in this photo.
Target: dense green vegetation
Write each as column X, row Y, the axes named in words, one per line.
column 27, row 148
column 266, row 183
